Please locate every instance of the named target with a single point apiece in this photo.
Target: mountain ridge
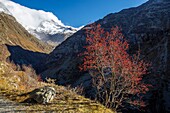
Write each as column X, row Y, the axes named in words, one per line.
column 33, row 21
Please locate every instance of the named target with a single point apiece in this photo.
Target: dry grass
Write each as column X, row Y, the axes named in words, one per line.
column 65, row 101
column 14, row 83
column 13, row 79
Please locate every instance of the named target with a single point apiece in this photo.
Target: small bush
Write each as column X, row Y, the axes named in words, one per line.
column 13, row 78
column 78, row 90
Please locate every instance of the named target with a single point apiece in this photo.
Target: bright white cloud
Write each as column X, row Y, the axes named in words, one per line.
column 29, row 18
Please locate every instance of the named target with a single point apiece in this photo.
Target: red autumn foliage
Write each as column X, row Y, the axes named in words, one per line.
column 117, row 76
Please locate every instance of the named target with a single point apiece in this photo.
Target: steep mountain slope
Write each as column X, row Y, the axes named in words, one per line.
column 12, row 33
column 44, row 25
column 17, row 44
column 146, row 27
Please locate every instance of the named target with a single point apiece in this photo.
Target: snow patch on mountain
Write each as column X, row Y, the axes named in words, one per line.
column 4, row 9
column 44, row 25
column 52, row 28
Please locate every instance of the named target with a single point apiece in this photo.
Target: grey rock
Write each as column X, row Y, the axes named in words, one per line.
column 42, row 95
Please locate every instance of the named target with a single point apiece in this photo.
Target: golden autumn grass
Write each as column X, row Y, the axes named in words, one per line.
column 14, row 83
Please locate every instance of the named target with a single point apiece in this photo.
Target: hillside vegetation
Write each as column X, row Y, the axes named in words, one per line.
column 14, row 83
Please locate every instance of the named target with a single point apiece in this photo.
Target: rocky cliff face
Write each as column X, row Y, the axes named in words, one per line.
column 147, row 28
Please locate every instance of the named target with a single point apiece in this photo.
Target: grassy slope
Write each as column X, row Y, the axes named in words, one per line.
column 65, row 101
column 12, row 33
column 14, row 83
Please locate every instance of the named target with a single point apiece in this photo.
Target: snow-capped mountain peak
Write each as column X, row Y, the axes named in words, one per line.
column 41, row 24
column 50, row 27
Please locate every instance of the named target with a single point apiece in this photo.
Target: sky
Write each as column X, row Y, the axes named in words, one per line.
column 80, row 12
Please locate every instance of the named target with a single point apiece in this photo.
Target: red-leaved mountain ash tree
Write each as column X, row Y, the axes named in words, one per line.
column 117, row 76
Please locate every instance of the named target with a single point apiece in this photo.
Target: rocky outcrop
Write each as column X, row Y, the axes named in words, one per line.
column 41, row 95
column 146, row 27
